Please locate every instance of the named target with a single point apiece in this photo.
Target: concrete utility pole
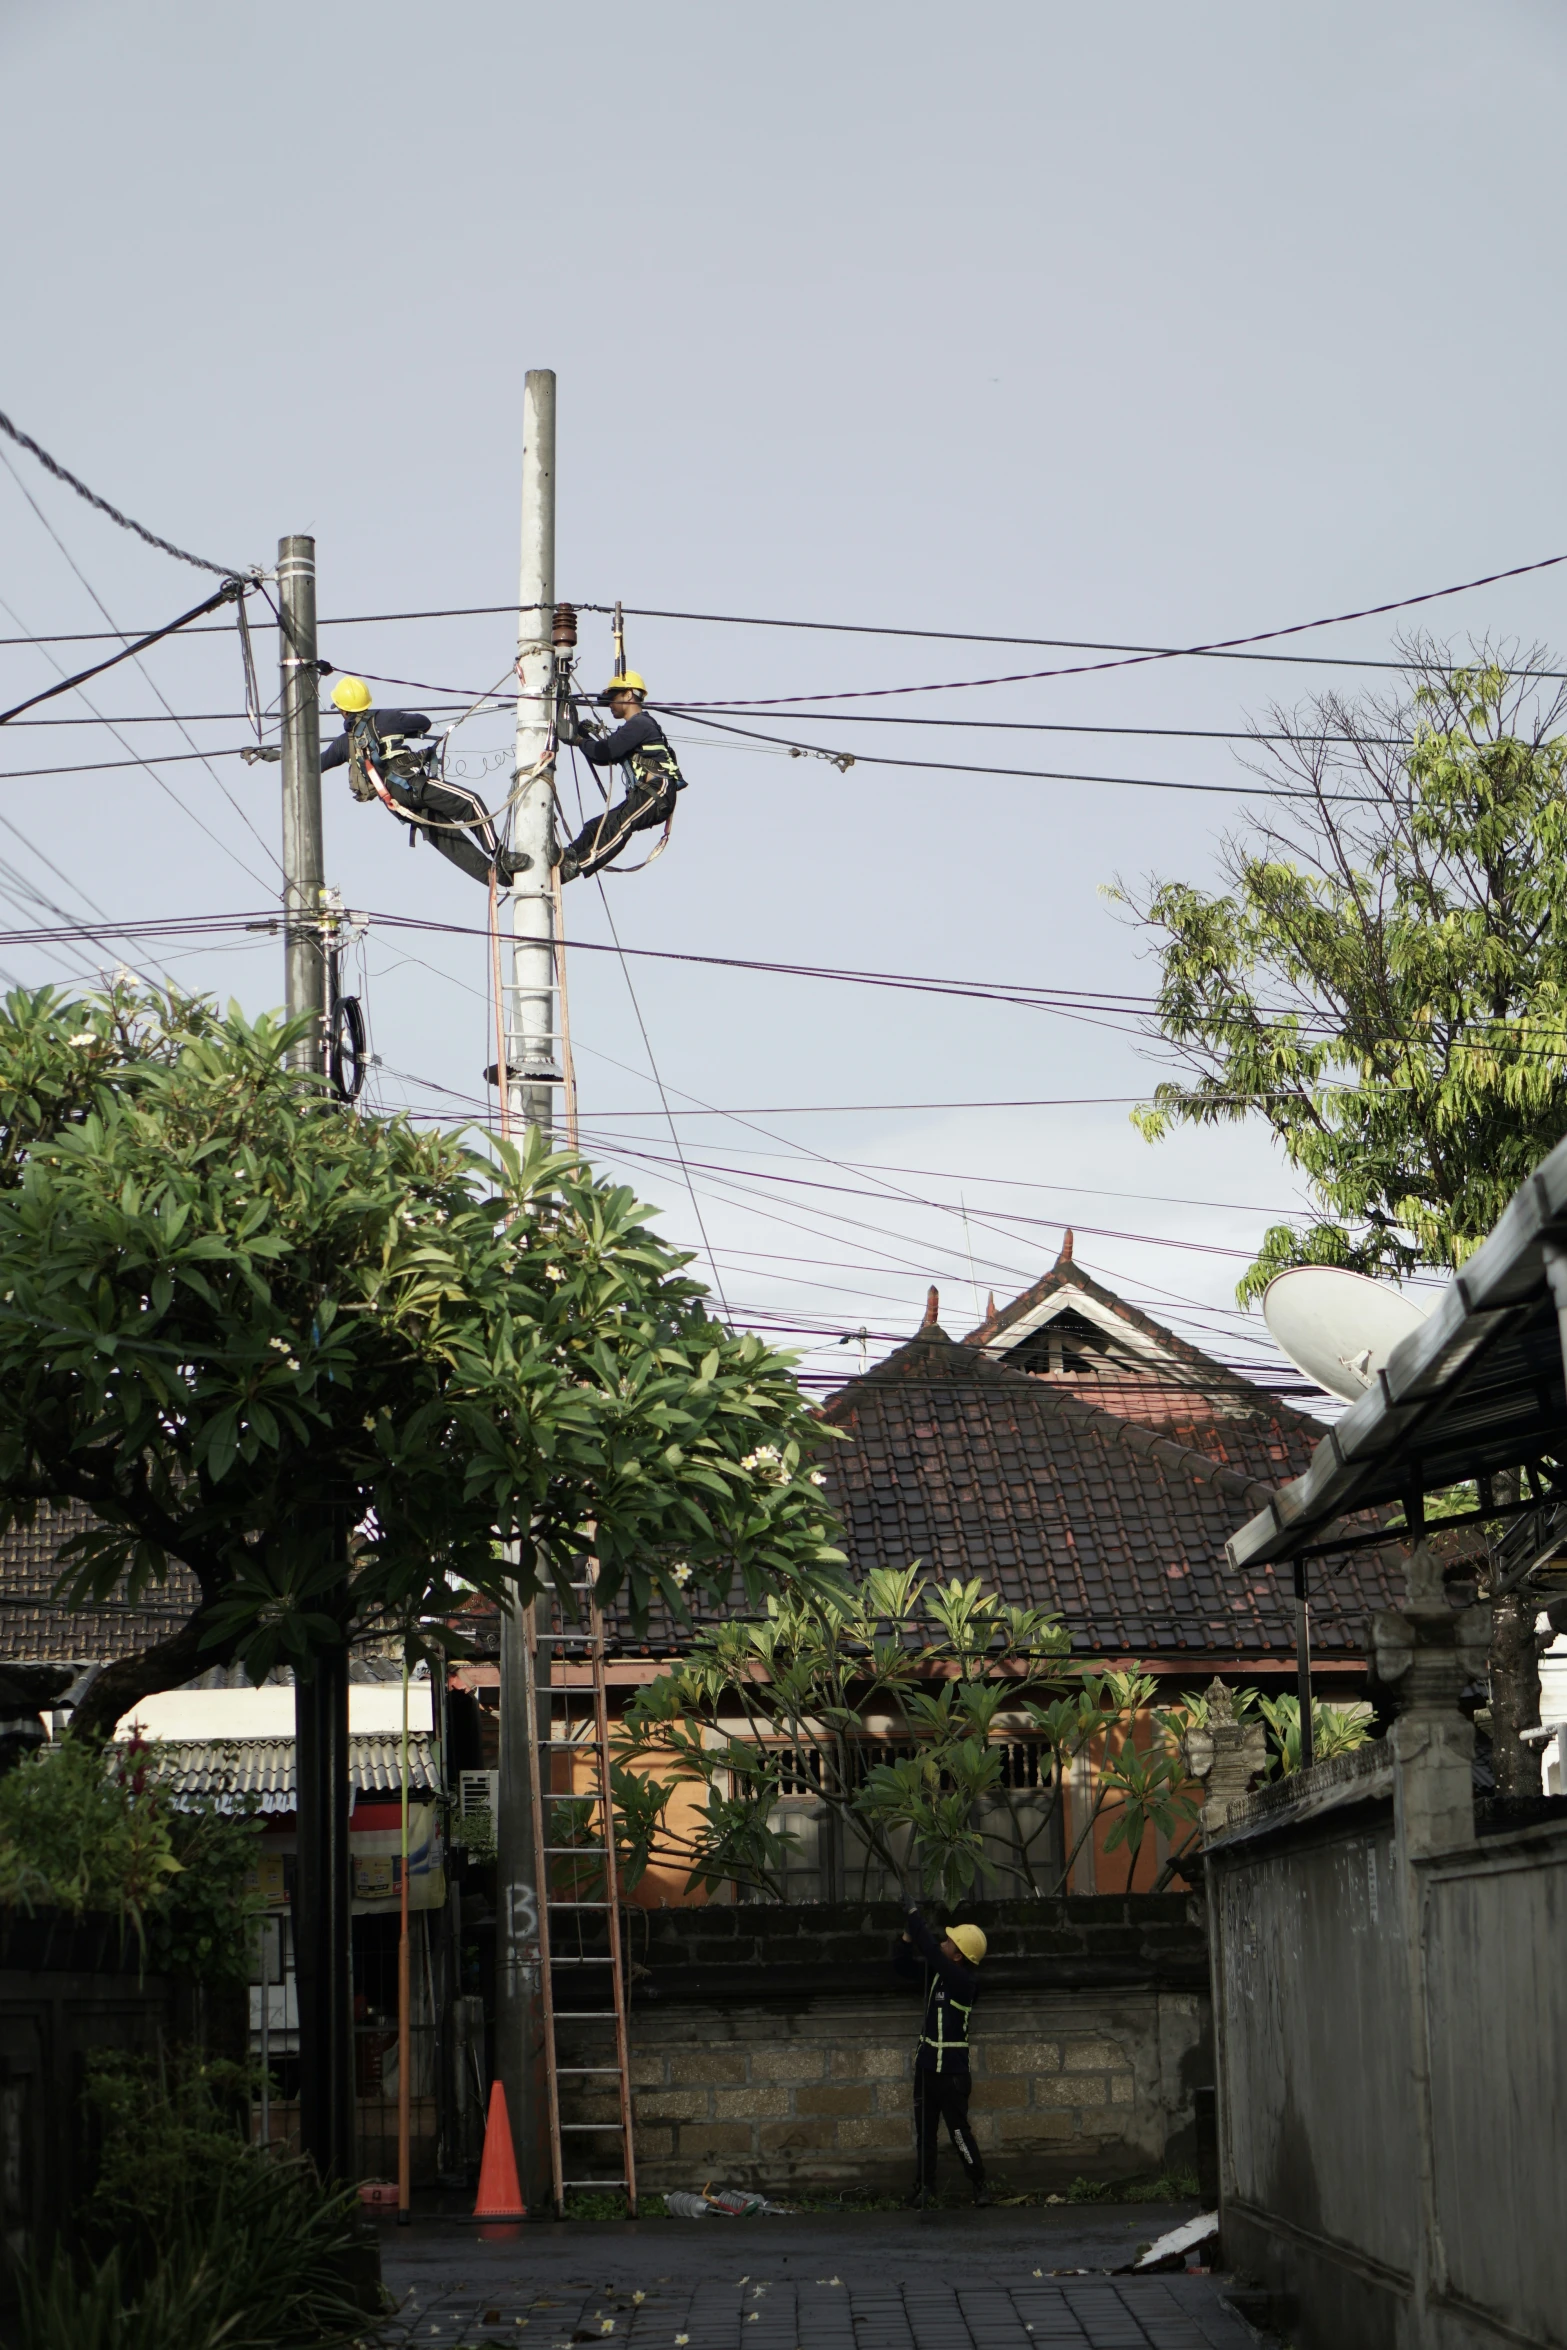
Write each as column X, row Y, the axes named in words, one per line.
column 531, row 1074
column 532, row 1045
column 323, row 1881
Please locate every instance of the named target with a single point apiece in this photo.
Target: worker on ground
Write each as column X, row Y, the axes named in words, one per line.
column 652, row 775
column 949, row 1968
column 378, row 749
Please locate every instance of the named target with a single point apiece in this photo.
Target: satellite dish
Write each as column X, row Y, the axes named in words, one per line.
column 1337, row 1328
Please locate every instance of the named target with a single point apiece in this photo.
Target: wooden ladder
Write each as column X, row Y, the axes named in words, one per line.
column 575, row 1868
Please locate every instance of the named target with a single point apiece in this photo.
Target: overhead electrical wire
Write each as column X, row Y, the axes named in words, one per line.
column 841, row 759
column 997, row 1216
column 52, row 465
column 1129, row 656
column 1207, row 734
column 103, row 608
column 1239, row 790
column 1173, row 652
column 164, row 786
column 1118, row 1006
column 127, row 652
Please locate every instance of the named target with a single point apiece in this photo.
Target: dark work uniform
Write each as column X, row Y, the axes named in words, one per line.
column 652, row 779
column 941, row 2069
column 376, row 746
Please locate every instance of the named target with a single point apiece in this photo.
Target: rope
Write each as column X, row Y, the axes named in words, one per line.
column 568, row 1065
column 165, row 546
column 653, row 856
column 248, row 664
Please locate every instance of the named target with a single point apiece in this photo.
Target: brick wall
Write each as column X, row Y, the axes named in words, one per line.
column 773, row 2048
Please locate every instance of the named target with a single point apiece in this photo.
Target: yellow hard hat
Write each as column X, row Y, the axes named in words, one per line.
column 351, row 693
column 970, row 1940
column 628, row 682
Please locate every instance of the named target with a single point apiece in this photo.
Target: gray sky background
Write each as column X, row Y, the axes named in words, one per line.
column 1135, row 323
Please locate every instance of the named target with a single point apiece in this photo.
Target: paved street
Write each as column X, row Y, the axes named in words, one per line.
column 954, row 2280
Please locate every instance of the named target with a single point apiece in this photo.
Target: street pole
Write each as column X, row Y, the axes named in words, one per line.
column 533, row 1066
column 322, row 1869
column 532, row 1072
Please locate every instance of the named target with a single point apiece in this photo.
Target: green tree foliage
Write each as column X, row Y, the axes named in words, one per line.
column 86, row 1827
column 1335, row 1729
column 893, row 1705
column 279, row 1341
column 1383, row 977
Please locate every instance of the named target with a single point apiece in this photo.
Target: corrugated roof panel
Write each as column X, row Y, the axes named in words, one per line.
column 264, row 1767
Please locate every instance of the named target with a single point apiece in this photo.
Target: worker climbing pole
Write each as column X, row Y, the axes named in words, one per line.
column 387, row 761
column 636, row 744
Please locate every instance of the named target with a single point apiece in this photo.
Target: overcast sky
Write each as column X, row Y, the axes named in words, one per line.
column 1133, row 324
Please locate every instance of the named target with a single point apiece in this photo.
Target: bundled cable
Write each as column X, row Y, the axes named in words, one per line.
column 52, row 465
column 230, row 589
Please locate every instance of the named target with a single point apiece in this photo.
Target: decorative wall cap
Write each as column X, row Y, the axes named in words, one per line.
column 1360, row 1776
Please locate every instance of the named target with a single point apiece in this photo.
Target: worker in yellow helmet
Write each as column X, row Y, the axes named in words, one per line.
column 950, row 1973
column 638, row 744
column 378, row 747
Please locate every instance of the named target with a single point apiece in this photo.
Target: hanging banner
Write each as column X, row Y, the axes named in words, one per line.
column 377, row 1859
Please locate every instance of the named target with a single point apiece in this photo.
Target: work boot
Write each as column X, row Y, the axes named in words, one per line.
column 566, row 865
column 982, row 2197
column 509, row 864
column 918, row 2198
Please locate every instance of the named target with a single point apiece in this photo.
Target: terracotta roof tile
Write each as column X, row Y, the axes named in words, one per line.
column 36, row 1629
column 1058, row 1502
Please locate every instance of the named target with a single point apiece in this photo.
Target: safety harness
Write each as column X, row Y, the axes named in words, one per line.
column 655, row 772
column 938, row 2006
column 365, row 747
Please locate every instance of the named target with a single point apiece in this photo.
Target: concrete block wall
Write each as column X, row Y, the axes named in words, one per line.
column 760, row 2062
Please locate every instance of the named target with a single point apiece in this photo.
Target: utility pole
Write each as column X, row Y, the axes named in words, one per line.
column 532, row 1046
column 322, row 1869
column 531, row 1073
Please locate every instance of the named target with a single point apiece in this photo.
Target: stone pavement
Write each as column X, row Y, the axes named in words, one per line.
column 946, row 2280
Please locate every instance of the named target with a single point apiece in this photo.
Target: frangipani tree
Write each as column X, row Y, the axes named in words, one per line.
column 282, row 1342
column 900, row 1707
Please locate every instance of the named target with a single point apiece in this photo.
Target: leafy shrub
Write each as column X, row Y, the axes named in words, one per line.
column 88, row 1826
column 194, row 2239
column 260, row 2267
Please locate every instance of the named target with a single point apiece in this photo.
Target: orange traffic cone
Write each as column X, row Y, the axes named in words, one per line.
column 500, row 2191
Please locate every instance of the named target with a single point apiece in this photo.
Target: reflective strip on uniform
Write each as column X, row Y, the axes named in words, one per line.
column 940, row 2042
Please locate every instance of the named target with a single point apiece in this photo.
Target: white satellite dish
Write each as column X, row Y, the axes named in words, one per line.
column 1337, row 1328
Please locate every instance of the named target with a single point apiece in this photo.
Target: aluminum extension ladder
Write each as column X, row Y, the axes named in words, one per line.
column 575, row 1867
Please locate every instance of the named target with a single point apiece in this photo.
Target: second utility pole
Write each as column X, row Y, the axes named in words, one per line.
column 531, row 1074
column 323, row 1883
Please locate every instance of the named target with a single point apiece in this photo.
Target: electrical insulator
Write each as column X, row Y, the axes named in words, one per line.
column 563, row 630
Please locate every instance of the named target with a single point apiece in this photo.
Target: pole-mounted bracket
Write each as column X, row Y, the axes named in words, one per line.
column 494, row 1076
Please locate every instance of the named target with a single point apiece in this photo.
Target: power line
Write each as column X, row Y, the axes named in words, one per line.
column 1206, row 734
column 43, row 518
column 52, row 465
column 1228, row 648
column 66, row 685
column 164, row 786
column 1172, row 652
column 1247, row 791
column 102, row 766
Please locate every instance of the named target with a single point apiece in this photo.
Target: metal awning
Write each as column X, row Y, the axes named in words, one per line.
column 1477, row 1389
column 226, row 1770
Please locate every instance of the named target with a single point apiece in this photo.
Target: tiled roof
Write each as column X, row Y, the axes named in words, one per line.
column 36, row 1629
column 1057, row 1502
column 233, row 1767
column 1132, row 1365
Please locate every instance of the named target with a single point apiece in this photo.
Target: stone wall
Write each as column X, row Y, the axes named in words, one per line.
column 774, row 2047
column 1392, row 2046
